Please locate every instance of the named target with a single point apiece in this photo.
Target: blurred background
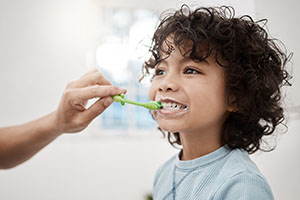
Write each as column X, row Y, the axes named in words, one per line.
column 44, row 44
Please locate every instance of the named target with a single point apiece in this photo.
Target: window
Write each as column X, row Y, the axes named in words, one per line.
column 126, row 37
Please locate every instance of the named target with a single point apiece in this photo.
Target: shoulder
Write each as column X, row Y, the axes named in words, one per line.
column 164, row 168
column 240, row 179
column 238, row 162
column 244, row 186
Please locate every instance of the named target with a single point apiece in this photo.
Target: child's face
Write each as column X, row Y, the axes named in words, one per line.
column 193, row 95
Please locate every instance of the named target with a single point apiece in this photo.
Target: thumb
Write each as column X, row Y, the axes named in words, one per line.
column 97, row 108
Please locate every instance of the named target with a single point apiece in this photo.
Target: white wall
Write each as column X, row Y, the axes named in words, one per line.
column 281, row 167
column 44, row 45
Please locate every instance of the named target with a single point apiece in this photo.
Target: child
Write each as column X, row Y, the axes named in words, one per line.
column 218, row 78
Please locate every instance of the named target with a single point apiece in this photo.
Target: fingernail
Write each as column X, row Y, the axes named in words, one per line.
column 122, row 90
column 108, row 101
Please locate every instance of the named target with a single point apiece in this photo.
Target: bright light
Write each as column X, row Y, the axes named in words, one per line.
column 140, row 36
column 114, row 57
column 133, row 44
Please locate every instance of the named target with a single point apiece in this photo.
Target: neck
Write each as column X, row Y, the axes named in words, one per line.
column 199, row 144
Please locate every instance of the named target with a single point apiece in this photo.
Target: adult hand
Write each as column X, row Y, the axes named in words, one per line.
column 71, row 115
column 19, row 143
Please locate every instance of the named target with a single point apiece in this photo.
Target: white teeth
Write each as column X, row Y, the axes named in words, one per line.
column 172, row 106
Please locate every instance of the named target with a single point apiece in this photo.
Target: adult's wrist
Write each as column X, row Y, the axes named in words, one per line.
column 51, row 125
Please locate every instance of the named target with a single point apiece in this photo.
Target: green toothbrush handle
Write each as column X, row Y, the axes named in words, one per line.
column 152, row 105
column 134, row 102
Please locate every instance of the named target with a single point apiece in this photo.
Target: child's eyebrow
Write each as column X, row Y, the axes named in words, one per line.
column 187, row 61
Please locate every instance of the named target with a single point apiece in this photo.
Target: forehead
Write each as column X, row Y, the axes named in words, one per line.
column 186, row 47
column 186, row 50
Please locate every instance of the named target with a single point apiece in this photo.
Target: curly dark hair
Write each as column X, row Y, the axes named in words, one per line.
column 254, row 67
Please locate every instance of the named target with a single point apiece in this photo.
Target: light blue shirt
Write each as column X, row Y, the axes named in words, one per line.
column 224, row 174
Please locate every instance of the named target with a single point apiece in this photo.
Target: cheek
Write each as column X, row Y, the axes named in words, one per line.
column 152, row 92
column 219, row 97
column 209, row 100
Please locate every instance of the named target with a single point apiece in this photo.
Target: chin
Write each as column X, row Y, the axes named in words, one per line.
column 170, row 127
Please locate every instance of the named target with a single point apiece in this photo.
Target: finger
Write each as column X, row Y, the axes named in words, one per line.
column 94, row 91
column 90, row 72
column 95, row 78
column 97, row 108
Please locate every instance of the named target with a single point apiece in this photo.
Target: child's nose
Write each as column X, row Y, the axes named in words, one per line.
column 168, row 85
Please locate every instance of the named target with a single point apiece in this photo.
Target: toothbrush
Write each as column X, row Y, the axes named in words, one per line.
column 152, row 105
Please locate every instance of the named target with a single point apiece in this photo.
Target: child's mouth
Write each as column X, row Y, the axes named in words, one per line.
column 171, row 107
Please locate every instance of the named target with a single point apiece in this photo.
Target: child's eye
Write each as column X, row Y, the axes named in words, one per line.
column 159, row 72
column 191, row 71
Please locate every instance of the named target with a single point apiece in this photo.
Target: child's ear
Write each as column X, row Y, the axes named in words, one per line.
column 232, row 105
column 232, row 109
